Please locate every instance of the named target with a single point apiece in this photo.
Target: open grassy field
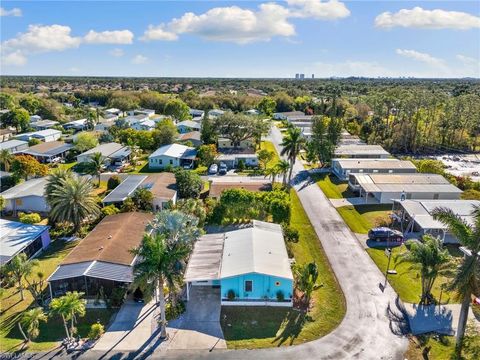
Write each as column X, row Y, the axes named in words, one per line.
column 51, row 332
column 260, row 327
column 362, row 218
column 332, row 187
column 407, row 280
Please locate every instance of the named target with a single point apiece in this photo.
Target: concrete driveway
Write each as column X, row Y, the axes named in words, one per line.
column 199, row 327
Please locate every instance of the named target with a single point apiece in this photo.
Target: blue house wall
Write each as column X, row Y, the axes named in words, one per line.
column 264, row 286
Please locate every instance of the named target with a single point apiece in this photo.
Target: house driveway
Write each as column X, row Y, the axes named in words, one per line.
column 199, row 327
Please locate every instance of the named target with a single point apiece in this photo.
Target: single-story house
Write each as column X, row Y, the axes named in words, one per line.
column 285, row 114
column 144, row 125
column 77, row 125
column 14, row 146
column 343, row 167
column 174, row 155
column 347, row 139
column 133, row 119
column 231, row 157
column 17, row 237
column 385, row 188
column 415, row 216
column 252, row 112
column 44, row 124
column 195, row 137
column 302, row 124
column 47, row 152
column 6, row 134
column 103, row 260
column 187, row 126
column 224, row 143
column 113, row 111
column 113, row 153
column 250, row 266
column 35, row 118
column 215, row 113
column 361, row 152
column 106, row 122
column 300, row 118
column 197, row 115
column 148, row 112
column 163, row 187
column 42, row 135
column 27, row 196
column 219, row 184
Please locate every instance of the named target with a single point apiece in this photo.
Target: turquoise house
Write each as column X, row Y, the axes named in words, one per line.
column 250, row 266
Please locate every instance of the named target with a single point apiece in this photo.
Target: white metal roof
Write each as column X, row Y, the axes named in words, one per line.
column 374, row 164
column 190, row 124
column 420, row 211
column 16, row 236
column 206, row 258
column 175, row 151
column 257, row 249
column 125, row 189
column 10, row 144
column 360, row 149
column 95, row 269
column 32, row 187
column 105, row 149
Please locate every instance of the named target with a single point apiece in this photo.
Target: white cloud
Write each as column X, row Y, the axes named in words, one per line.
column 158, row 33
column 423, row 57
column 109, row 37
column 427, row 19
column 117, row 52
column 15, row 58
column 352, row 68
column 467, row 59
column 317, row 9
column 12, row 12
column 241, row 25
column 470, row 65
column 74, row 69
column 139, row 59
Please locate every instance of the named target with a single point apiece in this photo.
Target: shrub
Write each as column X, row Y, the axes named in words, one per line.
column 110, row 210
column 290, row 233
column 470, row 195
column 201, row 170
column 280, row 295
column 280, row 210
column 116, row 297
column 34, row 141
column 96, row 330
column 32, row 218
column 241, row 165
column 174, row 312
column 113, row 182
column 231, row 294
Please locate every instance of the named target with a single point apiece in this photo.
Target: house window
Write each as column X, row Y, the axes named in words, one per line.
column 171, row 162
column 277, row 283
column 436, row 196
column 160, row 161
column 248, row 285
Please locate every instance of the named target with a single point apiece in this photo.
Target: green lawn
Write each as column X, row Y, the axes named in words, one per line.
column 407, row 280
column 332, row 187
column 260, row 327
column 268, row 145
column 67, row 166
column 441, row 347
column 52, row 331
column 361, row 218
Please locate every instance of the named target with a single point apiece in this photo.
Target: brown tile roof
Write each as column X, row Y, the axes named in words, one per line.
column 192, row 135
column 112, row 239
column 164, row 185
column 217, row 187
column 45, row 146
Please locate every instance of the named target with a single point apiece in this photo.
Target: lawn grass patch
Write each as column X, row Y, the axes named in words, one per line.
column 407, row 280
column 442, row 347
column 361, row 218
column 51, row 332
column 268, row 145
column 260, row 327
column 332, row 187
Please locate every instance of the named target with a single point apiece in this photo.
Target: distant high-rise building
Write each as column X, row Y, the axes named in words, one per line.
column 313, row 76
column 302, row 76
column 297, row 76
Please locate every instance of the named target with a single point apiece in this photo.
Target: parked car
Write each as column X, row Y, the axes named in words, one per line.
column 222, row 169
column 385, row 234
column 213, row 169
column 188, row 166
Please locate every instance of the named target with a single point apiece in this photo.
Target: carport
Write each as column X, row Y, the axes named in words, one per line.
column 203, row 267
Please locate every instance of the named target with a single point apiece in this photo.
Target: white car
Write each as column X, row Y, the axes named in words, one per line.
column 213, row 169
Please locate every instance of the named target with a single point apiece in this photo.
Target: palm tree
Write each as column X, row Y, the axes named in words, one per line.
column 54, row 181
column 19, row 268
column 69, row 307
column 283, row 167
column 431, row 259
column 292, row 144
column 158, row 260
column 30, row 321
column 467, row 276
column 95, row 165
column 176, row 226
column 306, row 279
column 73, row 201
column 272, row 173
column 6, row 159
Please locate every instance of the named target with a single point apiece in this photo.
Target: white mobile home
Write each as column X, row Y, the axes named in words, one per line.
column 27, row 196
column 42, row 135
column 342, row 168
column 172, row 155
column 112, row 153
column 361, row 152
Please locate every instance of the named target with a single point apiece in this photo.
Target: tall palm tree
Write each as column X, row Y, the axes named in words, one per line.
column 431, row 259
column 467, row 277
column 6, row 159
column 292, row 144
column 54, row 181
column 30, row 322
column 283, row 167
column 73, row 201
column 95, row 165
column 20, row 267
column 69, row 307
column 176, row 226
column 158, row 261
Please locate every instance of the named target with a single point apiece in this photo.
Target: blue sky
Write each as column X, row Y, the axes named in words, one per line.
column 242, row 38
